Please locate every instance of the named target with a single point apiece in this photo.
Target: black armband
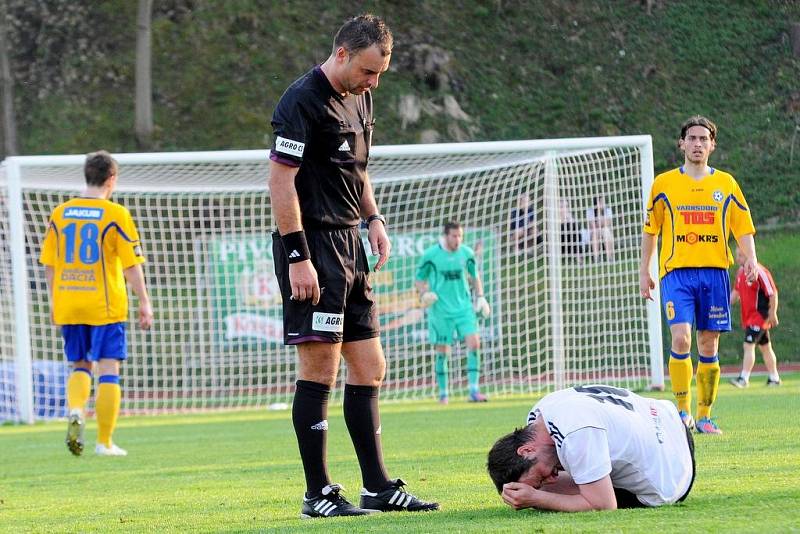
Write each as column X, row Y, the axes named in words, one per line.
column 296, row 246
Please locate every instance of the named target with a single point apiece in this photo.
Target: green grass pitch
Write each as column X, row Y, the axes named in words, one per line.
column 240, row 472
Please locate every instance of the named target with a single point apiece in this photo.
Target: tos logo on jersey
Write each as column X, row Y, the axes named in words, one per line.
column 698, row 217
column 693, row 214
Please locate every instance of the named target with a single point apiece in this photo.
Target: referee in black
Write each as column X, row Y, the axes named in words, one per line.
column 320, row 193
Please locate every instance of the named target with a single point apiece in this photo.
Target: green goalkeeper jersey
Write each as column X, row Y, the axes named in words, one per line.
column 445, row 272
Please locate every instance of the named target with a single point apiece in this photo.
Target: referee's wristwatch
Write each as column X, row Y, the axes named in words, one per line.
column 376, row 217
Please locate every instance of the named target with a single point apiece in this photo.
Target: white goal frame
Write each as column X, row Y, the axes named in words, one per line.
column 14, row 166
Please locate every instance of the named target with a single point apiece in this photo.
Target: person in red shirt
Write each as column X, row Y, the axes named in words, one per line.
column 759, row 313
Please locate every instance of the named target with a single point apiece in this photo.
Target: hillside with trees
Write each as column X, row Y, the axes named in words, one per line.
column 461, row 71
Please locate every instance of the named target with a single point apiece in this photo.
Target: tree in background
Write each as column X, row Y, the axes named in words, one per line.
column 7, row 84
column 144, row 91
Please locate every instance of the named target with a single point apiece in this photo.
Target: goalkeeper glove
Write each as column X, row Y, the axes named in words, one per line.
column 428, row 298
column 482, row 307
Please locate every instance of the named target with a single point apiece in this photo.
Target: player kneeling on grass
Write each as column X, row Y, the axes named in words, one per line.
column 91, row 247
column 445, row 274
column 595, row 447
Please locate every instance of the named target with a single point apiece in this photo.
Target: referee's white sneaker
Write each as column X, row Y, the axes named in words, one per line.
column 113, row 450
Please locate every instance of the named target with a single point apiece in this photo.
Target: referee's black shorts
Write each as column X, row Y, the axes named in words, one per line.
column 346, row 309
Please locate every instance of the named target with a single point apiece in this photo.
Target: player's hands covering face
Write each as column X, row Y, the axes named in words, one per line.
column 518, row 495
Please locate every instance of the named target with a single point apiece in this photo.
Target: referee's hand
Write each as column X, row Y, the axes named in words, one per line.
column 304, row 282
column 379, row 243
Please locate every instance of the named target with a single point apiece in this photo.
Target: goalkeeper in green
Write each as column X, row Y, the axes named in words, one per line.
column 444, row 277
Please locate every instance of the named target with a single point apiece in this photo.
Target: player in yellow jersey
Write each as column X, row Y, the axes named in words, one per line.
column 90, row 249
column 695, row 208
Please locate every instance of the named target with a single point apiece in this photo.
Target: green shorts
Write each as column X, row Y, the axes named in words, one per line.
column 441, row 328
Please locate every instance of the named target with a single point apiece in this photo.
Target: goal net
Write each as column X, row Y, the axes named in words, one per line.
column 555, row 226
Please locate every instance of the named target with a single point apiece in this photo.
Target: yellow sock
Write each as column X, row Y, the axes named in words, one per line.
column 680, row 374
column 707, row 384
column 106, row 407
column 79, row 387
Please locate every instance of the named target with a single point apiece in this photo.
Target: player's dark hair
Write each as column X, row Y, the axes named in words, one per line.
column 504, row 463
column 99, row 167
column 362, row 32
column 451, row 225
column 699, row 120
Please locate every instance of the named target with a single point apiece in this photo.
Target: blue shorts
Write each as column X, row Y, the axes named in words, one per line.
column 93, row 343
column 698, row 296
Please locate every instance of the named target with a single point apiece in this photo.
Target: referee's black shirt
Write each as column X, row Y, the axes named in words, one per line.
column 328, row 137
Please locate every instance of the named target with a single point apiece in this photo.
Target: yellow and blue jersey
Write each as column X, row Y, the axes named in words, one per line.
column 695, row 219
column 89, row 243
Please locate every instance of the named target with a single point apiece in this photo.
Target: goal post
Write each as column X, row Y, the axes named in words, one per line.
column 561, row 279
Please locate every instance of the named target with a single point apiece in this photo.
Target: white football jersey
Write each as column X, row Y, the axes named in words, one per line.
column 602, row 430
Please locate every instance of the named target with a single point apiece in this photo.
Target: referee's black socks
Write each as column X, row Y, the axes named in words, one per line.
column 310, row 419
column 364, row 424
